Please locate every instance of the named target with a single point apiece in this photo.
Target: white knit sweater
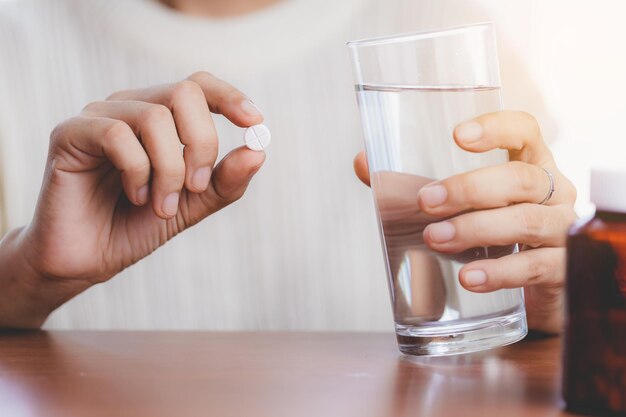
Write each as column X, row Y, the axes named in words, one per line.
column 301, row 249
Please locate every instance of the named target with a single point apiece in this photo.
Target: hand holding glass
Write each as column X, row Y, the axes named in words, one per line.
column 412, row 91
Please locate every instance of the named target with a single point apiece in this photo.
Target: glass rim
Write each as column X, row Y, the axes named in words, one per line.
column 414, row 36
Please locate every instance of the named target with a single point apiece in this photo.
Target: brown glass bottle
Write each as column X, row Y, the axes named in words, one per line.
column 594, row 362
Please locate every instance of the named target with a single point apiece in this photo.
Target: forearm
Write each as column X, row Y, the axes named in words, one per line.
column 26, row 296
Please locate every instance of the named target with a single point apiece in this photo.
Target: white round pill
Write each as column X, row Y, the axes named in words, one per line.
column 257, row 137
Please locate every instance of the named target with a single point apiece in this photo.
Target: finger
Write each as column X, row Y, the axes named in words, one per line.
column 114, row 140
column 194, row 124
column 234, row 172
column 489, row 187
column 516, row 131
column 225, row 99
column 530, row 224
column 544, row 266
column 519, row 133
column 154, row 125
column 228, row 183
column 361, row 169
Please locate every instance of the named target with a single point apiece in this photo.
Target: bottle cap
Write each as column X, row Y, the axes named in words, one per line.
column 608, row 189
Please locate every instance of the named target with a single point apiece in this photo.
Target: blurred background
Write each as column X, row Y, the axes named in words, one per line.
column 301, row 249
column 570, row 51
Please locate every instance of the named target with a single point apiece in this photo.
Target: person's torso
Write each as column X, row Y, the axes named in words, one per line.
column 301, row 249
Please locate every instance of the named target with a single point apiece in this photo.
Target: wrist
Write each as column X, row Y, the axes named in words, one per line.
column 27, row 295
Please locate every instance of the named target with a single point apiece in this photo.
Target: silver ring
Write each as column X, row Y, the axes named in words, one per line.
column 551, row 191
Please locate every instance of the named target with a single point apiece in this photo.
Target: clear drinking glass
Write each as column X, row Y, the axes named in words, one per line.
column 412, row 90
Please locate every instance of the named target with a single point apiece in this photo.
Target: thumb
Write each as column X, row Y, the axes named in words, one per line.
column 228, row 183
column 360, row 168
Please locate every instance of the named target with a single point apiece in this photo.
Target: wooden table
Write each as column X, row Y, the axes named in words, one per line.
column 179, row 374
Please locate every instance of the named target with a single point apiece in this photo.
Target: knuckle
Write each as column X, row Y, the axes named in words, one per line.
column 201, row 150
column 156, row 113
column 533, row 223
column 531, row 123
column 473, row 231
column 561, row 218
column 201, row 76
column 173, row 170
column 60, row 131
column 185, row 89
column 489, row 121
column 118, row 95
column 557, row 266
column 468, row 188
column 569, row 191
column 471, row 226
column 536, row 270
column 138, row 168
column 92, row 107
column 525, row 178
column 115, row 131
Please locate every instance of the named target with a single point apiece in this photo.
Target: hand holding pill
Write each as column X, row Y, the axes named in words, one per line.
column 132, row 180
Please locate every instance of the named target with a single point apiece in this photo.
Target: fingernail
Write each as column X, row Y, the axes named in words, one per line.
column 475, row 278
column 250, row 109
column 441, row 232
column 142, row 195
column 201, row 178
column 433, row 195
column 170, row 204
column 469, row 131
